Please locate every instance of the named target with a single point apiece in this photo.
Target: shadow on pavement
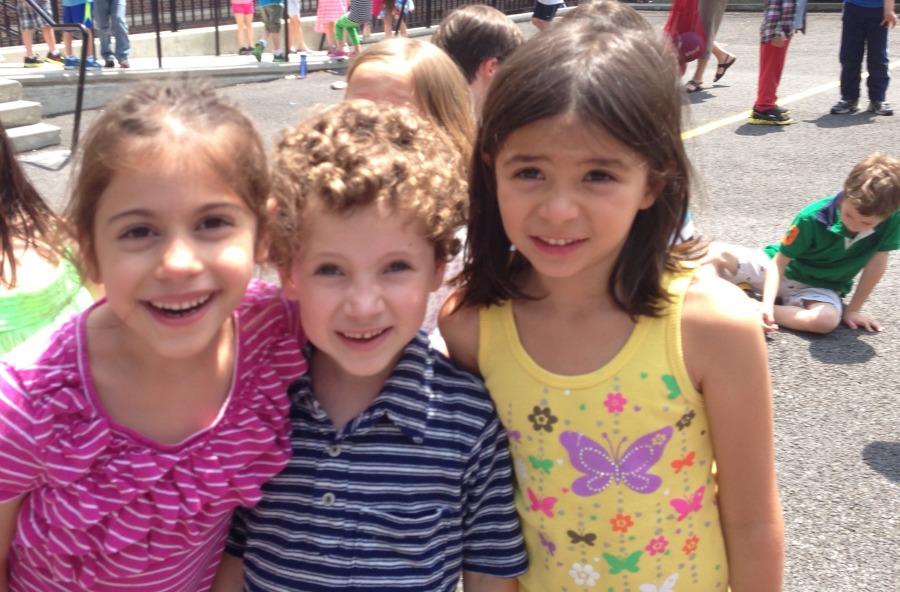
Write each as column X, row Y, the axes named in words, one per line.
column 829, row 121
column 884, row 458
column 749, row 129
column 841, row 346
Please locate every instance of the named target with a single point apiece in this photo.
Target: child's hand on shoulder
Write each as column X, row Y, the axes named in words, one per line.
column 856, row 319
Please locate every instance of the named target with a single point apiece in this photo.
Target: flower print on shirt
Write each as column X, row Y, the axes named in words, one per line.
column 615, row 402
column 584, row 574
column 657, row 546
column 542, row 419
column 621, row 523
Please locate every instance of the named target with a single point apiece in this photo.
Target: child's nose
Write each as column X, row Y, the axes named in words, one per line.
column 364, row 302
column 179, row 258
column 559, row 208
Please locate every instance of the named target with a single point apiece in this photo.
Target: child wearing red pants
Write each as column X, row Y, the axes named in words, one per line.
column 780, row 20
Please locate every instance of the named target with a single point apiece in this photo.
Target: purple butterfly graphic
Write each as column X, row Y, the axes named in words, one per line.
column 548, row 544
column 602, row 465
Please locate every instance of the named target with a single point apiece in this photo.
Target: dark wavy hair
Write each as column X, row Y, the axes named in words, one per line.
column 626, row 83
column 26, row 221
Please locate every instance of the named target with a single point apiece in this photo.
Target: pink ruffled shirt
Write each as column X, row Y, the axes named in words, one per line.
column 109, row 510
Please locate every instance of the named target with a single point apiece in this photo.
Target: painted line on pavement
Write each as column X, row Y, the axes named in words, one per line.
column 743, row 115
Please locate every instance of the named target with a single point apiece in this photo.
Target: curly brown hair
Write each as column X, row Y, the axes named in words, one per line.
column 873, row 186
column 357, row 154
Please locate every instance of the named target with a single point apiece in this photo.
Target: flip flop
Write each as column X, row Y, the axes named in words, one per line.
column 723, row 67
column 692, row 86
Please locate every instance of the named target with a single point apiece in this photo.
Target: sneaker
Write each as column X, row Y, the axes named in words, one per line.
column 33, row 62
column 258, row 50
column 71, row 63
column 279, row 58
column 773, row 116
column 783, row 110
column 109, row 63
column 54, row 57
column 333, row 52
column 338, row 54
column 124, row 64
column 880, row 108
column 844, row 106
column 92, row 64
column 245, row 51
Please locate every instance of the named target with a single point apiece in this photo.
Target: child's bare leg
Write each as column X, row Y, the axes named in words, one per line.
column 297, row 40
column 67, row 43
column 27, row 39
column 49, row 39
column 813, row 317
column 722, row 259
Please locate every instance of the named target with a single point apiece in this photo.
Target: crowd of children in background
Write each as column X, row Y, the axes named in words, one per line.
column 199, row 429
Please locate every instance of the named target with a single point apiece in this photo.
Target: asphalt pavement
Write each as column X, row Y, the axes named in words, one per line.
column 836, row 396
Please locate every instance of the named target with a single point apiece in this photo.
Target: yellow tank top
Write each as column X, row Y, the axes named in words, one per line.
column 614, row 469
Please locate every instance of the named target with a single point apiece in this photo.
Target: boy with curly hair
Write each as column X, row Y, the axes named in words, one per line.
column 829, row 242
column 400, row 477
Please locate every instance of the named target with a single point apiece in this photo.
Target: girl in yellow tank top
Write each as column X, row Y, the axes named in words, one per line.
column 634, row 391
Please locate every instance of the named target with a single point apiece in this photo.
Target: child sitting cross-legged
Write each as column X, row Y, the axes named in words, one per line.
column 400, row 477
column 829, row 242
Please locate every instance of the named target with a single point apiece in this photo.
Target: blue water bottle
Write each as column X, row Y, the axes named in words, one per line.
column 302, row 65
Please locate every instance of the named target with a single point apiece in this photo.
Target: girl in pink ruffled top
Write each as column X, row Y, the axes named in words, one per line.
column 129, row 438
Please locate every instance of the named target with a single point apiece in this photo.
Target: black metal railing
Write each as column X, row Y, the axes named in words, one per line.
column 79, row 94
column 175, row 15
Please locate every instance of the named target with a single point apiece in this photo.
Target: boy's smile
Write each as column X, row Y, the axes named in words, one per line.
column 363, row 280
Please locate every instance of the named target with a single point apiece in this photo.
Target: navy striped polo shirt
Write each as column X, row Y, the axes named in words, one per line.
column 409, row 494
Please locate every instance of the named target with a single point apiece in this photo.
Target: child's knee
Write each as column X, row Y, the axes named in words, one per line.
column 825, row 318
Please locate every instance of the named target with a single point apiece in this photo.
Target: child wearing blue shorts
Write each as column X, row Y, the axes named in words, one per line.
column 78, row 12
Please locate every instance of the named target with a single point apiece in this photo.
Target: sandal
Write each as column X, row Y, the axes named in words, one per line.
column 693, row 86
column 723, row 67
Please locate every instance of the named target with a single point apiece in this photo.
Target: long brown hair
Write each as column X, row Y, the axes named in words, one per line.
column 625, row 83
column 26, row 221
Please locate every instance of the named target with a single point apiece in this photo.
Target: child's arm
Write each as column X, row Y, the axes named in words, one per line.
column 478, row 582
column 230, row 575
column 890, row 19
column 871, row 275
column 459, row 328
column 9, row 512
column 774, row 273
column 726, row 356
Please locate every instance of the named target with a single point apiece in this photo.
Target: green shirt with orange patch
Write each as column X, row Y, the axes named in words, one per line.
column 824, row 254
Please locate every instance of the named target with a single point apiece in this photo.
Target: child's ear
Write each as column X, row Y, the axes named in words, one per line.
column 288, row 283
column 487, row 69
column 440, row 266
column 656, row 182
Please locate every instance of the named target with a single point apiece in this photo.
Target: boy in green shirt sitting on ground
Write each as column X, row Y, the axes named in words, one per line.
column 829, row 242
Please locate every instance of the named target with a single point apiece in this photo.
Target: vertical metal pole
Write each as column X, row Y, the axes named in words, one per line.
column 79, row 95
column 399, row 18
column 287, row 32
column 173, row 13
column 156, row 24
column 216, row 18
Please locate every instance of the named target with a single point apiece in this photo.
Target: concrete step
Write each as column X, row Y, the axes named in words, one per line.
column 10, row 90
column 18, row 113
column 32, row 137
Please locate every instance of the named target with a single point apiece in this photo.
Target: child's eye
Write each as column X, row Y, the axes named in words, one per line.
column 136, row 233
column 528, row 173
column 328, row 270
column 214, row 223
column 596, row 176
column 397, row 266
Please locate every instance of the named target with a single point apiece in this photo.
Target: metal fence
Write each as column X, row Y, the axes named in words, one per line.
column 187, row 14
